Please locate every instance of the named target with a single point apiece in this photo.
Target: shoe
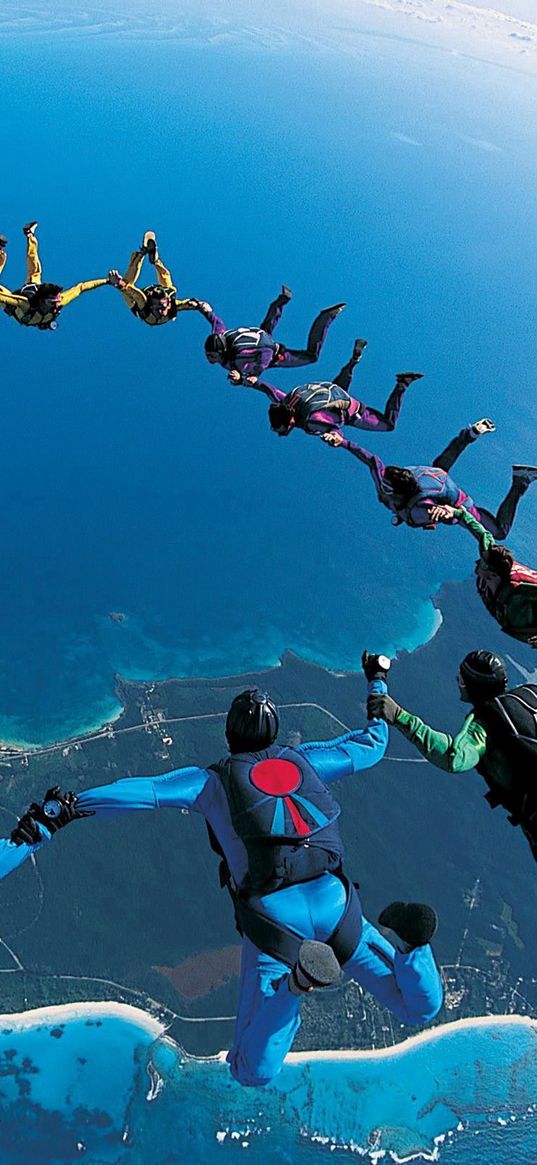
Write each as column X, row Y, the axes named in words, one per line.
column 485, row 425
column 316, row 966
column 412, row 923
column 335, row 309
column 286, row 293
column 406, row 378
column 358, row 350
column 525, row 473
column 29, row 228
column 149, row 246
column 3, row 242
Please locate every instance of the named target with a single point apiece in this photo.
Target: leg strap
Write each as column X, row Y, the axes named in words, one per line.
column 283, row 944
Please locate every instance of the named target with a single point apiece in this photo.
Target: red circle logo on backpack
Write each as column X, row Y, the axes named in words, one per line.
column 276, row 777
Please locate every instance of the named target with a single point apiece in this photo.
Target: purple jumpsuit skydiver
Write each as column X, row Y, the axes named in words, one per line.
column 268, row 1016
column 249, row 351
column 436, row 487
column 326, row 406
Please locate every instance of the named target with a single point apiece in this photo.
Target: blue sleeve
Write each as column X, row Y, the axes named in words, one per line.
column 179, row 789
column 12, row 856
column 351, row 753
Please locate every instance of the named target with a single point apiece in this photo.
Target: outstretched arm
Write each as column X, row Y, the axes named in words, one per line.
column 453, row 754
column 12, row 856
column 178, row 789
column 351, row 753
column 274, row 394
column 217, row 325
column 375, row 466
column 359, row 749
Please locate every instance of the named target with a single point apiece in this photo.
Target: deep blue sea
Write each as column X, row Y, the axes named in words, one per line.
column 98, row 1089
column 134, row 478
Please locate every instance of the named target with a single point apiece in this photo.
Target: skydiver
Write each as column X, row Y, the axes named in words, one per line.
column 412, row 493
column 326, row 406
column 498, row 737
column 507, row 588
column 273, row 821
column 38, row 304
column 247, row 352
column 157, row 304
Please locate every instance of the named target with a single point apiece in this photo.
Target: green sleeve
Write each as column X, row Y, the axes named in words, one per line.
column 484, row 537
column 454, row 754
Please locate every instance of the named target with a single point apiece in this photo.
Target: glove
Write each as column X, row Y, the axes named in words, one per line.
column 58, row 809
column 381, row 707
column 26, row 831
column 375, row 667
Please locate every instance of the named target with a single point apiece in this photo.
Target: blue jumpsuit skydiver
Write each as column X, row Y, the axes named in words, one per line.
column 268, row 1015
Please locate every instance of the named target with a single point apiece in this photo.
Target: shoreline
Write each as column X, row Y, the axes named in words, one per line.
column 22, row 747
column 56, row 1014
column 362, row 1055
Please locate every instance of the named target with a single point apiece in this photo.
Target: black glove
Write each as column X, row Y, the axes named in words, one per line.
column 26, row 831
column 375, row 667
column 58, row 809
column 381, row 707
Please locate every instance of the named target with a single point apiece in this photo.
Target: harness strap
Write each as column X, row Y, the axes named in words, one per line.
column 280, row 943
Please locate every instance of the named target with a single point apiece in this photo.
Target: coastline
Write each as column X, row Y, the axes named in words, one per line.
column 421, row 1038
column 408, row 644
column 57, row 1014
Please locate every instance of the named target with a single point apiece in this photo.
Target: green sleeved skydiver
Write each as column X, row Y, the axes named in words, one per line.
column 498, row 737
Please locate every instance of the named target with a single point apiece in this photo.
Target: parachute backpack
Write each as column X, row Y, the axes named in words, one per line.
column 287, row 820
column 284, row 815
column 43, row 301
column 431, row 486
column 511, row 722
column 241, row 341
column 312, row 398
column 153, row 293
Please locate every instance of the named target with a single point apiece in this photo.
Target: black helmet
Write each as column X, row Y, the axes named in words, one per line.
column 215, row 348
column 252, row 722
column 484, row 675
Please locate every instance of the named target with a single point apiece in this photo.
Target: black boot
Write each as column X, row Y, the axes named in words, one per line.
column 413, row 924
column 316, row 966
column 407, row 378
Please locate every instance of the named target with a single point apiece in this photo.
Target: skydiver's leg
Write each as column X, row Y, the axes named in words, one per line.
column 33, row 264
column 457, row 446
column 274, row 313
column 3, row 257
column 72, row 293
column 132, row 273
column 409, row 985
column 500, row 524
column 369, row 418
column 267, row 1020
column 294, row 357
column 163, row 275
column 344, row 378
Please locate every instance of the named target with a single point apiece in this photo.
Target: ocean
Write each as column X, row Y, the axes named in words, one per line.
column 97, row 1087
column 135, row 479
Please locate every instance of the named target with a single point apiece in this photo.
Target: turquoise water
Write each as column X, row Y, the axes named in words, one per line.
column 134, row 479
column 82, row 1090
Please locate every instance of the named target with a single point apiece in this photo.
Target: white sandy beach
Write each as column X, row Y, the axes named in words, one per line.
column 426, row 1037
column 65, row 1012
